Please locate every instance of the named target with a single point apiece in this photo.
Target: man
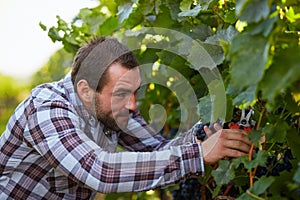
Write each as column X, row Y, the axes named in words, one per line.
column 60, row 143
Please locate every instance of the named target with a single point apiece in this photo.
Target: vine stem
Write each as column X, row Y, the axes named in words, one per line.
column 253, row 195
column 252, row 172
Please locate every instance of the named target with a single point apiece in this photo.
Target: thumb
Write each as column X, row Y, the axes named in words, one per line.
column 208, row 131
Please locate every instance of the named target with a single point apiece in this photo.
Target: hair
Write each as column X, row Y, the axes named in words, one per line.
column 93, row 60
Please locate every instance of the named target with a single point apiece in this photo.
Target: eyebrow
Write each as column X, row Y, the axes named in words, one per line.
column 125, row 90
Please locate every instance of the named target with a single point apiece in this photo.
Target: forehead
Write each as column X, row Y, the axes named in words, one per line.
column 120, row 76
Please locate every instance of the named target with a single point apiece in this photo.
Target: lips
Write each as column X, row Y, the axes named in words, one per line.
column 122, row 117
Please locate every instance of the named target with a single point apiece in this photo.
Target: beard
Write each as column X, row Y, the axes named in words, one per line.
column 107, row 118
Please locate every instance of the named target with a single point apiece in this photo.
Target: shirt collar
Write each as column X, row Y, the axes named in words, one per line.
column 75, row 100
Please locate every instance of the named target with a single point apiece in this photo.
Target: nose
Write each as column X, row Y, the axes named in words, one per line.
column 131, row 104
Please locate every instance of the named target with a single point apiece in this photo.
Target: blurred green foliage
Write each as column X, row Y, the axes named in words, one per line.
column 12, row 92
column 56, row 67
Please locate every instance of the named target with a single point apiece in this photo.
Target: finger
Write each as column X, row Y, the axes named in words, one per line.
column 234, row 153
column 207, row 131
column 237, row 134
column 237, row 145
column 217, row 126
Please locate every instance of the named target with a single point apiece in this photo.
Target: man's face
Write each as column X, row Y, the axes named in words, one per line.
column 118, row 97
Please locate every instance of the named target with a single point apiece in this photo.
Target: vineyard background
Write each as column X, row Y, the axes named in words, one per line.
column 255, row 45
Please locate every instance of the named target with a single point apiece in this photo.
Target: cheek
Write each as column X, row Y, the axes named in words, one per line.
column 117, row 104
column 104, row 103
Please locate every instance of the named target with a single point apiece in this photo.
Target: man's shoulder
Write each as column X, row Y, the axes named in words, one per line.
column 53, row 91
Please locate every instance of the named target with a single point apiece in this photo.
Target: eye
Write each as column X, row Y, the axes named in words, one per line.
column 121, row 94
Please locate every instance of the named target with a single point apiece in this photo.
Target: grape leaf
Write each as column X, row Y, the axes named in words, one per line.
column 252, row 11
column 264, row 27
column 262, row 184
column 246, row 97
column 255, row 136
column 224, row 173
column 124, row 11
column 281, row 74
column 259, row 160
column 185, row 5
column 108, row 26
column 204, row 108
column 297, row 175
column 54, row 35
column 277, row 132
column 294, row 142
column 203, row 5
column 190, row 13
column 225, row 35
column 247, row 66
column 44, row 27
column 258, row 188
column 205, row 55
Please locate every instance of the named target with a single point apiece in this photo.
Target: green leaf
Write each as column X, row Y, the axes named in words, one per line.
column 218, row 98
column 294, row 142
column 146, row 6
column 259, row 160
column 296, row 177
column 109, row 26
column 164, row 18
column 245, row 196
column 85, row 12
column 277, row 132
column 70, row 46
column 62, row 25
column 265, row 27
column 124, row 11
column 190, row 13
column 261, row 185
column 224, row 173
column 252, row 10
column 203, row 5
column 255, row 136
column 135, row 18
column 43, row 26
column 291, row 16
column 281, row 74
column 204, row 108
column 246, row 97
column 249, row 55
column 185, row 5
column 222, row 34
column 203, row 55
column 53, row 34
column 230, row 17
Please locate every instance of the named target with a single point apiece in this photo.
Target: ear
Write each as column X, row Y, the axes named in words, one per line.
column 85, row 93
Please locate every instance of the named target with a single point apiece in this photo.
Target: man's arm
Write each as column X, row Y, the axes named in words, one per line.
column 55, row 134
column 141, row 137
column 223, row 143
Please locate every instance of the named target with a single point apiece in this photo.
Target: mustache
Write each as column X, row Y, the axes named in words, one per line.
column 123, row 114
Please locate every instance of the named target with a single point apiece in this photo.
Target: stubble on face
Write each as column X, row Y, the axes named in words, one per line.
column 106, row 116
column 117, row 99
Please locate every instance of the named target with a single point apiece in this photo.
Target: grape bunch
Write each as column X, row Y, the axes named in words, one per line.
column 189, row 189
column 274, row 166
column 199, row 131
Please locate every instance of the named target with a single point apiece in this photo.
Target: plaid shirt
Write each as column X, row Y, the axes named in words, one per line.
column 53, row 148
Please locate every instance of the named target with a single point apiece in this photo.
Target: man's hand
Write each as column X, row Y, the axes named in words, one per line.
column 224, row 143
